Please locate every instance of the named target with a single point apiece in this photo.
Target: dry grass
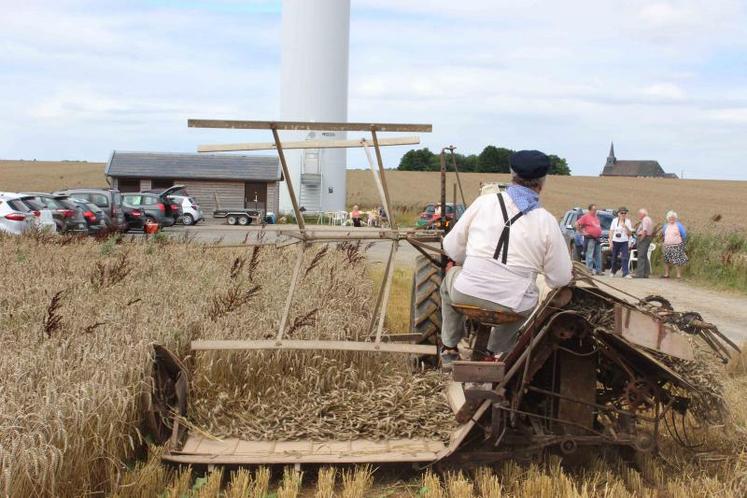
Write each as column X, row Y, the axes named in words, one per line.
column 47, row 176
column 698, row 202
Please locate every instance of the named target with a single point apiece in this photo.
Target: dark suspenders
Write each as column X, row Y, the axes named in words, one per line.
column 501, row 250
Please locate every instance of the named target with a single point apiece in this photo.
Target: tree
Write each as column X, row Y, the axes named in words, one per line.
column 558, row 166
column 494, row 159
column 418, row 160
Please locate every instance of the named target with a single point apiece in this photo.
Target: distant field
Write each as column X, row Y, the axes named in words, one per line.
column 696, row 201
column 45, row 176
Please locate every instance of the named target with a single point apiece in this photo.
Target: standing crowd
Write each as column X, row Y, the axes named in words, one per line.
column 624, row 236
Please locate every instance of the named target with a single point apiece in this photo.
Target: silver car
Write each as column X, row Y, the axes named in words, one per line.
column 15, row 216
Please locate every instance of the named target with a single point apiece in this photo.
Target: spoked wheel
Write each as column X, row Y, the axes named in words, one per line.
column 165, row 396
column 231, row 220
column 244, row 220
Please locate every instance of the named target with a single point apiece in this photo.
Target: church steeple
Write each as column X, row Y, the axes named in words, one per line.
column 611, row 159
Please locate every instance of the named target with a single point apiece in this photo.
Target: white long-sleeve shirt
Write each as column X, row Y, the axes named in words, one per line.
column 536, row 245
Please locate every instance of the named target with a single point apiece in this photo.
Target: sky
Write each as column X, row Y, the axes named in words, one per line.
column 666, row 80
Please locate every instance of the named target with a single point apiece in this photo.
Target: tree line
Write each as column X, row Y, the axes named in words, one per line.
column 492, row 159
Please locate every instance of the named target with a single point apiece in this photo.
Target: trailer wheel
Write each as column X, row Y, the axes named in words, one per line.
column 231, row 219
column 425, row 304
column 244, row 220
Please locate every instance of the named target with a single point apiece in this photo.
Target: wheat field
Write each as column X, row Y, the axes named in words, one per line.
column 698, row 202
column 80, row 316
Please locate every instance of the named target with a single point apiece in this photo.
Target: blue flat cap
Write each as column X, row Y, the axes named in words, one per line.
column 530, row 164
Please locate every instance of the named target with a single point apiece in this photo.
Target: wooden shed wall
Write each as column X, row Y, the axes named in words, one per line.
column 230, row 194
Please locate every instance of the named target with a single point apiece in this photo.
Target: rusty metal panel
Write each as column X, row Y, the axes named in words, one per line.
column 650, row 332
column 577, row 379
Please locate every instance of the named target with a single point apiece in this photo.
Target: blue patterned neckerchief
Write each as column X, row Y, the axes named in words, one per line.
column 525, row 199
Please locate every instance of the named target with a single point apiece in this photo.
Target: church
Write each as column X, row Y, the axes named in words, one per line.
column 617, row 167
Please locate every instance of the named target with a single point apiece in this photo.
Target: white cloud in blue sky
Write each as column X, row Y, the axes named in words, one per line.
column 665, row 80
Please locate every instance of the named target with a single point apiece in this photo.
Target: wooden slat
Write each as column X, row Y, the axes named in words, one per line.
column 234, row 451
column 649, row 332
column 307, row 125
column 305, row 144
column 478, row 371
column 383, row 347
column 455, row 396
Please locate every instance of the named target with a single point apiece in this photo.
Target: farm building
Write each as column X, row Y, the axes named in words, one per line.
column 236, row 181
column 616, row 167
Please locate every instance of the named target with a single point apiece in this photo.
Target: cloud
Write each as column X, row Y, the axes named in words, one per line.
column 81, row 77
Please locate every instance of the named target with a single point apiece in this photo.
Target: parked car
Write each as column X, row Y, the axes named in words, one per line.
column 428, row 219
column 108, row 199
column 72, row 220
column 173, row 206
column 134, row 217
column 96, row 217
column 575, row 240
column 191, row 212
column 152, row 206
column 15, row 216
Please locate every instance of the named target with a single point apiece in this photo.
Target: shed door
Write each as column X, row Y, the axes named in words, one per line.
column 255, row 195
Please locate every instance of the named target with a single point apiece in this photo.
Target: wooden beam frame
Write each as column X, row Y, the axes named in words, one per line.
column 313, row 345
column 306, row 144
column 307, row 125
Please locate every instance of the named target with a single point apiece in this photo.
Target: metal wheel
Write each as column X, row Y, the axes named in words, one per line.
column 165, row 396
column 231, row 219
column 187, row 219
column 244, row 220
column 425, row 304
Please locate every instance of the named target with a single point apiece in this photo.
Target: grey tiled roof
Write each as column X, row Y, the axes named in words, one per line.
column 197, row 166
column 634, row 168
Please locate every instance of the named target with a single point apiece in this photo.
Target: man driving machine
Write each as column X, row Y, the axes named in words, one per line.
column 498, row 246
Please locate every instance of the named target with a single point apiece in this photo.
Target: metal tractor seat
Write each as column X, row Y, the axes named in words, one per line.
column 487, row 317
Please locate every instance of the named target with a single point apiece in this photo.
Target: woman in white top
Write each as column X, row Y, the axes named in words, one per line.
column 620, row 231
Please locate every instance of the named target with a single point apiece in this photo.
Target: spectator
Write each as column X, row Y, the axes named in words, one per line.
column 591, row 229
column 355, row 214
column 644, row 235
column 620, row 231
column 674, row 245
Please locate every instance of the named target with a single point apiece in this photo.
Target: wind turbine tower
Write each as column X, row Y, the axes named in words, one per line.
column 314, row 87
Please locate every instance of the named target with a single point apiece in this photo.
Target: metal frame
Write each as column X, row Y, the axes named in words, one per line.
column 306, row 237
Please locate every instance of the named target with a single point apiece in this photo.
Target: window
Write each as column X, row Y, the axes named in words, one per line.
column 161, row 184
column 132, row 200
column 128, row 185
column 100, row 200
column 150, row 200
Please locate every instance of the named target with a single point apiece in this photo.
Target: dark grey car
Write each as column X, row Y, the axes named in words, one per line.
column 109, row 200
column 152, row 206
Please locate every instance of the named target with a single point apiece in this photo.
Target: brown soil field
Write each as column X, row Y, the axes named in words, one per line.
column 696, row 201
column 46, row 176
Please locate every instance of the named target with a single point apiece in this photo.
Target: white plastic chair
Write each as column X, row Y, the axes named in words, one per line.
column 340, row 217
column 634, row 257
